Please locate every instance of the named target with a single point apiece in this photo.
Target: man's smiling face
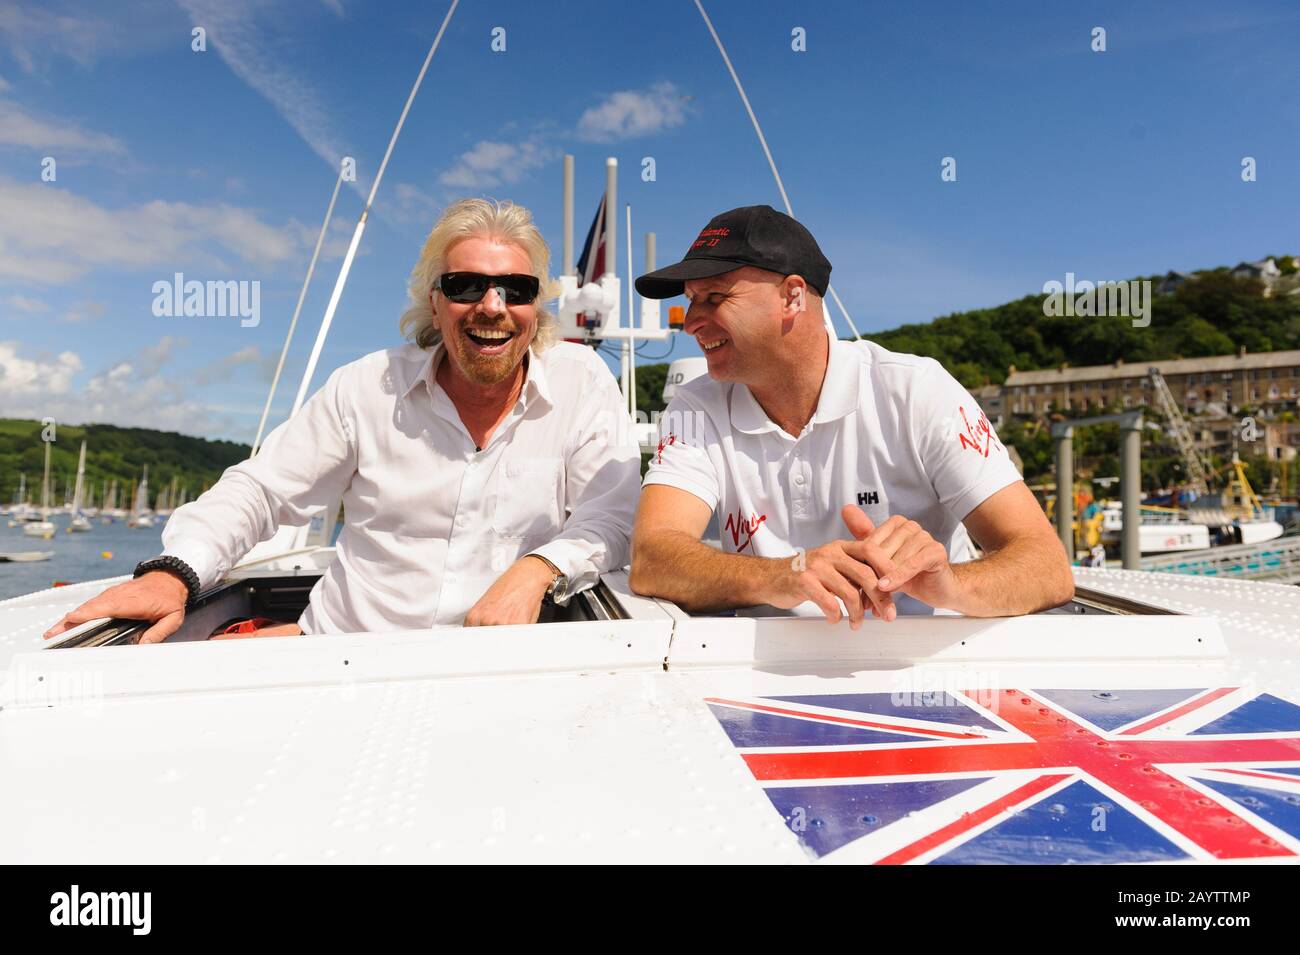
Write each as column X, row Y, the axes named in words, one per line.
column 736, row 319
column 486, row 340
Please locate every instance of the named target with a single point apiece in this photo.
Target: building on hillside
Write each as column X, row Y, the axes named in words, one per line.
column 1265, row 381
column 1265, row 270
column 1172, row 280
column 1215, row 393
column 990, row 402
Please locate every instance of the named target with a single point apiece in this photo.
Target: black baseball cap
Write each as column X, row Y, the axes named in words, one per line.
column 751, row 235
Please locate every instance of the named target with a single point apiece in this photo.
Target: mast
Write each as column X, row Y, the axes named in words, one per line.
column 45, row 486
column 81, row 478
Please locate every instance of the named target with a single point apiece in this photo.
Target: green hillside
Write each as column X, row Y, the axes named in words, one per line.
column 1214, row 315
column 111, row 453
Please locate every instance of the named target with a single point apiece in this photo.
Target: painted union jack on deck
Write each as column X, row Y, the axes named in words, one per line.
column 1028, row 776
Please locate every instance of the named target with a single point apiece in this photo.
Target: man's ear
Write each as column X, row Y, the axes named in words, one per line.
column 796, row 296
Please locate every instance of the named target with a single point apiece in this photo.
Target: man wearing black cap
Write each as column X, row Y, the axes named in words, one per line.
column 841, row 472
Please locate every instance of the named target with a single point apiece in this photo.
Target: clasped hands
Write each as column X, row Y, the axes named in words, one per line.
column 865, row 572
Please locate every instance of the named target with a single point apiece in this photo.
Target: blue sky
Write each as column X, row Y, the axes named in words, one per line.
column 219, row 164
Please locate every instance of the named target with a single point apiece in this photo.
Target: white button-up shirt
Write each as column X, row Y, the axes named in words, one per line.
column 429, row 521
column 893, row 433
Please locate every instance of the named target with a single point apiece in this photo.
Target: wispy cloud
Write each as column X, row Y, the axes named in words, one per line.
column 19, row 128
column 84, row 311
column 628, row 114
column 246, row 38
column 50, row 235
column 490, row 163
column 35, row 35
column 25, row 304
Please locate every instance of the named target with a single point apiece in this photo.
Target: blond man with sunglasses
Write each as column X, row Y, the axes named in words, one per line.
column 483, row 466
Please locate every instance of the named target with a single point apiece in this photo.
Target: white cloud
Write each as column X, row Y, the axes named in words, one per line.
column 490, row 163
column 413, row 205
column 49, row 235
column 23, row 379
column 244, row 38
column 630, row 113
column 19, row 128
column 84, row 311
column 223, row 368
column 156, row 356
column 130, row 392
column 26, row 304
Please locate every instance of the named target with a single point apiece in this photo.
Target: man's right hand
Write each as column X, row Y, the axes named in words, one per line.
column 157, row 597
column 824, row 573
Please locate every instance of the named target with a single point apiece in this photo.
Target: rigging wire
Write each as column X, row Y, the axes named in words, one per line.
column 361, row 223
column 293, row 323
column 762, row 140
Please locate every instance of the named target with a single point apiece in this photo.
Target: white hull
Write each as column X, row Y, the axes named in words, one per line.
column 1253, row 532
column 43, row 529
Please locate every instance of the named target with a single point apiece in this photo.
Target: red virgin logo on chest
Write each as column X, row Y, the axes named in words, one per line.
column 742, row 528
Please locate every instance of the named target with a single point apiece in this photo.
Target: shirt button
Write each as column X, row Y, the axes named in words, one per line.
column 798, row 479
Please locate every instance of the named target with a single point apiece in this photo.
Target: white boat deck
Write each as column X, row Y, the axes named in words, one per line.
column 597, row 741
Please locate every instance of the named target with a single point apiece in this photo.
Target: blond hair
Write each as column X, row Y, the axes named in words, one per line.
column 502, row 221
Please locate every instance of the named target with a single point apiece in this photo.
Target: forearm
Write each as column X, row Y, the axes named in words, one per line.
column 214, row 532
column 699, row 578
column 1025, row 576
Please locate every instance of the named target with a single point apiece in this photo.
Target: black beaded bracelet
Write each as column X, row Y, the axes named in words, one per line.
column 173, row 565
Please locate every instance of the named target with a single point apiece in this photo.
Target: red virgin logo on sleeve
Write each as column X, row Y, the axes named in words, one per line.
column 663, row 443
column 979, row 436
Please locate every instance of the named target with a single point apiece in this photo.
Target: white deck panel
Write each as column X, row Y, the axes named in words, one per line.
column 560, row 742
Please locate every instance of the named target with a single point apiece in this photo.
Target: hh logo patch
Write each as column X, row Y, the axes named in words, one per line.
column 743, row 528
column 868, row 497
column 979, row 436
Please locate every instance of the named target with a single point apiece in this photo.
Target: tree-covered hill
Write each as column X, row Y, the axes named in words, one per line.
column 1214, row 314
column 111, row 453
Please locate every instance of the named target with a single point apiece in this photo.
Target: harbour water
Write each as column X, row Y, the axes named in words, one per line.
column 77, row 557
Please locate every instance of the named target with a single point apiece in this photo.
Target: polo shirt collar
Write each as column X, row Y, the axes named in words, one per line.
column 838, row 398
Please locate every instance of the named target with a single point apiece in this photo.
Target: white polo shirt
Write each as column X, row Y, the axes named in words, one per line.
column 894, row 433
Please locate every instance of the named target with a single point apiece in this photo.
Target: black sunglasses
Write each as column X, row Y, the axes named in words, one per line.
column 466, row 287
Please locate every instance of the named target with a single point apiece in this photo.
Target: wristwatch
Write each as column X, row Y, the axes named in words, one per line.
column 176, row 567
column 559, row 587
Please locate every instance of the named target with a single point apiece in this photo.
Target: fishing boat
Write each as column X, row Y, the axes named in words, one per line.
column 1150, row 719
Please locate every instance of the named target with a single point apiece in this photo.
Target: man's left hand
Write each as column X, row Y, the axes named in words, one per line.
column 516, row 597
column 905, row 558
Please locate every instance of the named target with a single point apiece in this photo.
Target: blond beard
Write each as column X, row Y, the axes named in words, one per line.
column 486, row 370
